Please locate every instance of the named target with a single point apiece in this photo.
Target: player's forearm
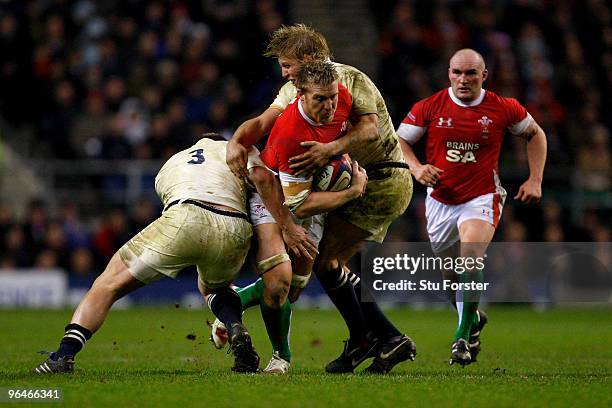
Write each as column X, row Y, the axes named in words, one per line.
column 324, row 201
column 363, row 132
column 536, row 155
column 253, row 130
column 248, row 133
column 271, row 193
column 409, row 156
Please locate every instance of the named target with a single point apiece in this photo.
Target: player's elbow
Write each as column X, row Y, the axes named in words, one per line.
column 261, row 177
column 372, row 134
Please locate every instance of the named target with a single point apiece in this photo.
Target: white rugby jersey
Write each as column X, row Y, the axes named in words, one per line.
column 200, row 173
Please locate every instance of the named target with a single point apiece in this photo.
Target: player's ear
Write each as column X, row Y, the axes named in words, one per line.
column 485, row 74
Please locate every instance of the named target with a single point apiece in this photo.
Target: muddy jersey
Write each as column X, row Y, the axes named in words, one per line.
column 464, row 140
column 366, row 100
column 201, row 173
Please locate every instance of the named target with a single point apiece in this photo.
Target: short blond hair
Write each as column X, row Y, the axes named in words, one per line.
column 321, row 73
column 298, row 41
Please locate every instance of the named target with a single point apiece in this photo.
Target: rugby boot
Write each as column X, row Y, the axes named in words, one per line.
column 246, row 359
column 474, row 341
column 54, row 364
column 460, row 353
column 218, row 334
column 392, row 352
column 277, row 365
column 352, row 355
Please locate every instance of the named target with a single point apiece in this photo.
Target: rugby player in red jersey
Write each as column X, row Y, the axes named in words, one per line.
column 464, row 127
column 320, row 113
column 372, row 141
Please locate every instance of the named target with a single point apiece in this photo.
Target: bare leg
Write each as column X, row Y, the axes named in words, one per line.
column 115, row 282
column 277, row 279
column 475, row 238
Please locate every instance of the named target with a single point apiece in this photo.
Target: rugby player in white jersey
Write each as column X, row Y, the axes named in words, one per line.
column 204, row 223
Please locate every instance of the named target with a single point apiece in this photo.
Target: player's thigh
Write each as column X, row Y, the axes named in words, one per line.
column 387, row 196
column 441, row 224
column 475, row 237
column 165, row 246
column 270, row 241
column 273, row 263
column 117, row 278
column 341, row 240
column 477, row 223
column 224, row 247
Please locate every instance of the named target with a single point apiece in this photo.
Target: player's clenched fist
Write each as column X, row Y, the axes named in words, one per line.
column 236, row 158
column 529, row 192
column 427, row 174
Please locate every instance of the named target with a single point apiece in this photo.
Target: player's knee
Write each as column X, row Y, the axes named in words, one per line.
column 324, row 265
column 276, row 291
column 108, row 287
column 298, row 283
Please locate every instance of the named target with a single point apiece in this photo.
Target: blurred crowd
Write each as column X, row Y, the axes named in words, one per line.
column 142, row 79
column 65, row 239
column 131, row 78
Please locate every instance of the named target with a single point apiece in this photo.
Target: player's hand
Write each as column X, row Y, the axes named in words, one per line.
column 236, row 157
column 427, row 174
column 360, row 178
column 529, row 192
column 298, row 242
column 317, row 156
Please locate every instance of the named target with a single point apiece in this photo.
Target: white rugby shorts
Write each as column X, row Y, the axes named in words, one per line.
column 260, row 215
column 186, row 235
column 443, row 220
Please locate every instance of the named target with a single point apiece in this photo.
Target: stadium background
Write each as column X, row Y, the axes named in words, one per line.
column 95, row 95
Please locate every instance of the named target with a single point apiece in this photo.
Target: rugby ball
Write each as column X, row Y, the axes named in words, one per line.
column 336, row 175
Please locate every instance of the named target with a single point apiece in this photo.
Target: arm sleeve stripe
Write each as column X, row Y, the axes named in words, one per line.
column 410, row 133
column 520, row 127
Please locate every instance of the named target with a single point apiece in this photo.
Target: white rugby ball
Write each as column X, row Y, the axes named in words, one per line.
column 334, row 176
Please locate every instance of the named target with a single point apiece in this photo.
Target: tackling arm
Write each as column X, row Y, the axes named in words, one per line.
column 324, row 201
column 269, row 189
column 247, row 134
column 363, row 131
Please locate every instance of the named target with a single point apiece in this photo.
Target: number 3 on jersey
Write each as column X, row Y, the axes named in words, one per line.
column 198, row 156
column 455, row 156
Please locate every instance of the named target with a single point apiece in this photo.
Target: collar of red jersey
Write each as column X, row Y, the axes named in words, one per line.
column 305, row 116
column 475, row 102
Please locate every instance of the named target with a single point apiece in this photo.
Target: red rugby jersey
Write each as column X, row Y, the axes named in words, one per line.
column 293, row 126
column 464, row 140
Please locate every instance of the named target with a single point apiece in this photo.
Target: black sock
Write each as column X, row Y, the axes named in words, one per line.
column 374, row 317
column 226, row 305
column 342, row 294
column 74, row 339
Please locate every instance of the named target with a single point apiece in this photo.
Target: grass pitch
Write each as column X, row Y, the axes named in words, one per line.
column 162, row 357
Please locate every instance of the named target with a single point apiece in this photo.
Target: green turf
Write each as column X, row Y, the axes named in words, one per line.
column 142, row 357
